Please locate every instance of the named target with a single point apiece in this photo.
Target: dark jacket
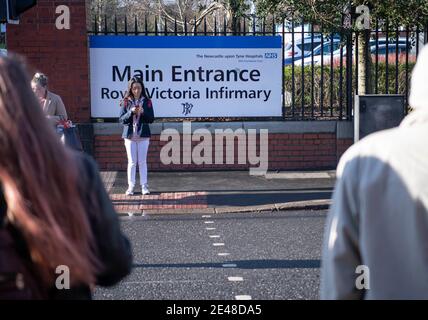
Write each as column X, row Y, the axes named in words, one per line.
column 3, row 208
column 126, row 118
column 114, row 249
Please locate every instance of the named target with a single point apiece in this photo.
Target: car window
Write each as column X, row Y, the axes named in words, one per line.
column 308, row 45
column 336, row 45
column 326, row 48
column 317, row 51
column 391, row 49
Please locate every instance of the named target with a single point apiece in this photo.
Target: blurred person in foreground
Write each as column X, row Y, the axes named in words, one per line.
column 52, row 202
column 376, row 240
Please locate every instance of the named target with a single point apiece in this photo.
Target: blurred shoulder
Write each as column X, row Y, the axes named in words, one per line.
column 381, row 146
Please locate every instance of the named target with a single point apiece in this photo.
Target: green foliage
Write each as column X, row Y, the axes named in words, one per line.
column 331, row 93
column 329, row 12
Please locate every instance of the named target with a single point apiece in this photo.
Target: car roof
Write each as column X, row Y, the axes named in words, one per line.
column 316, row 37
column 327, row 42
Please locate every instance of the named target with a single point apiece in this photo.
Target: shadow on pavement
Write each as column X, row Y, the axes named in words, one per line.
column 253, row 199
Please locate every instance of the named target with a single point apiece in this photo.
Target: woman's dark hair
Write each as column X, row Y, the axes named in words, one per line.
column 54, row 220
column 133, row 80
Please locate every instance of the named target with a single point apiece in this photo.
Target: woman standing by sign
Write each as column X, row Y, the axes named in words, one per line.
column 136, row 112
column 52, row 104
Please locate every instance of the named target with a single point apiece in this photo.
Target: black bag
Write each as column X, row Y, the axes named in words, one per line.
column 71, row 138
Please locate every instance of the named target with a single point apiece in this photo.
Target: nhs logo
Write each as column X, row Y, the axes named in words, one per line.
column 271, row 55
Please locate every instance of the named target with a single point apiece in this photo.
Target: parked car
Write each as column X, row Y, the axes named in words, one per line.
column 325, row 49
column 380, row 41
column 334, row 44
column 3, row 52
column 289, row 61
column 392, row 49
column 302, row 47
column 381, row 51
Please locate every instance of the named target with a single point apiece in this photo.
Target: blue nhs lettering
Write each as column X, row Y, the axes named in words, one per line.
column 270, row 55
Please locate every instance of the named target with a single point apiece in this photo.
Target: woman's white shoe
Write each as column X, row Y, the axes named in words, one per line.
column 145, row 190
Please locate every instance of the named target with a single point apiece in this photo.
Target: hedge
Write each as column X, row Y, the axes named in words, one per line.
column 334, row 91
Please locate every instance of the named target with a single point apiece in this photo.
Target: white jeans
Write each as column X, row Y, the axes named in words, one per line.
column 137, row 153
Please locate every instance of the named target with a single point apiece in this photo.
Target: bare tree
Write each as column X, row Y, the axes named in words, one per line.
column 185, row 14
column 100, row 9
column 183, row 11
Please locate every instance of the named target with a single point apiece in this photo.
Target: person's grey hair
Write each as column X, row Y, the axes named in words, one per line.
column 40, row 79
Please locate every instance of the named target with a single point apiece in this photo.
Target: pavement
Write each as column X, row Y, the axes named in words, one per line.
column 214, row 192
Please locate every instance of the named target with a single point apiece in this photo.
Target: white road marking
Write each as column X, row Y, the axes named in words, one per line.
column 234, row 279
column 209, row 229
column 222, row 254
column 206, row 216
column 207, row 222
column 218, row 244
column 243, row 297
column 215, row 236
column 229, row 265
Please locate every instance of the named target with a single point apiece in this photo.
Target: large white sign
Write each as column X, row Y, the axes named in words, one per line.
column 189, row 76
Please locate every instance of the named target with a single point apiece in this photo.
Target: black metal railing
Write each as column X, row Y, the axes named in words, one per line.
column 320, row 67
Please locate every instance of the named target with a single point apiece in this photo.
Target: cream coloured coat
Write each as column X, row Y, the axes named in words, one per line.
column 379, row 217
column 378, row 221
column 54, row 108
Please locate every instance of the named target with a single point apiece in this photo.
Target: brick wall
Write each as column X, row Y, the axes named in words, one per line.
column 286, row 152
column 61, row 54
column 302, row 151
column 342, row 146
